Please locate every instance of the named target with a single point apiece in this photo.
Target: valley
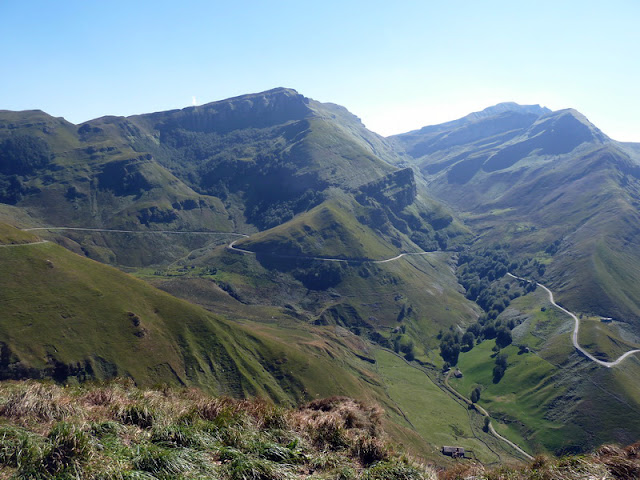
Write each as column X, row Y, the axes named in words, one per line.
column 270, row 245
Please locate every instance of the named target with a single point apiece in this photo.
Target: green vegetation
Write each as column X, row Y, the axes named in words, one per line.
column 434, row 415
column 116, row 430
column 546, row 194
column 49, row 432
column 548, row 396
column 72, row 319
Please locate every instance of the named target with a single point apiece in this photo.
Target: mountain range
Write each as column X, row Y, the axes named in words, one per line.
column 270, row 244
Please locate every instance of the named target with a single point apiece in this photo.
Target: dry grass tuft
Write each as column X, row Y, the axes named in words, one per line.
column 31, row 400
column 622, row 464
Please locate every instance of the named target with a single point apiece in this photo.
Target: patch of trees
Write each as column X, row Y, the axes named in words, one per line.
column 553, row 247
column 13, row 189
column 320, row 275
column 475, row 395
column 450, row 347
column 481, row 274
column 487, row 328
column 478, row 273
column 21, row 155
column 533, row 269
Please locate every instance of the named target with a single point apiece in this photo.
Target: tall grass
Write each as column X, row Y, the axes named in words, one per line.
column 116, row 431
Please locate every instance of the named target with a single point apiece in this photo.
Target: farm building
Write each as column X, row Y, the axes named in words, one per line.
column 455, row 452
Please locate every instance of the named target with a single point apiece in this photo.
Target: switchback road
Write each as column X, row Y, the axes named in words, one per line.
column 576, row 329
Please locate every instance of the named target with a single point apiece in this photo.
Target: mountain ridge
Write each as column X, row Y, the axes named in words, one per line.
column 543, row 194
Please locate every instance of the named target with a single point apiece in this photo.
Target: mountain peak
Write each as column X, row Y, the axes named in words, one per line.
column 508, row 107
column 255, row 110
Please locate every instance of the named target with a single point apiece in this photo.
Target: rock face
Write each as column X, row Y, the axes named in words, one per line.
column 396, row 190
column 261, row 110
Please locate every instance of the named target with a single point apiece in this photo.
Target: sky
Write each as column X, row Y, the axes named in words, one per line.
column 397, row 65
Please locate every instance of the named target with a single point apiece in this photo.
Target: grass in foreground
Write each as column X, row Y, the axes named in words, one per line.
column 117, row 431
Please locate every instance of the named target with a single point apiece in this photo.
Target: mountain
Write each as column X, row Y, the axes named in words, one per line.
column 553, row 199
column 70, row 318
column 551, row 185
column 275, row 239
column 161, row 196
column 275, row 162
column 243, row 164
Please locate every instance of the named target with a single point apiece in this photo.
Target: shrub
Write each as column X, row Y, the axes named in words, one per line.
column 35, row 400
column 475, row 395
column 398, row 471
column 247, row 468
column 369, row 450
column 141, row 415
column 70, row 447
column 166, row 462
column 177, row 436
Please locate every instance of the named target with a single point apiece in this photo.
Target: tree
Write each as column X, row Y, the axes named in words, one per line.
column 475, row 395
column 487, row 421
column 500, row 367
column 410, row 355
column 449, row 349
column 468, row 340
column 503, row 336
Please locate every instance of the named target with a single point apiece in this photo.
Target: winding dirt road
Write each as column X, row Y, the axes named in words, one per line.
column 231, row 246
column 576, row 329
column 23, row 244
column 173, row 232
column 486, row 414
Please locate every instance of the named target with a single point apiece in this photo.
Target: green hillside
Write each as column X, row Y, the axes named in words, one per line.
column 552, row 187
column 550, row 397
column 72, row 319
column 347, row 274
column 68, row 317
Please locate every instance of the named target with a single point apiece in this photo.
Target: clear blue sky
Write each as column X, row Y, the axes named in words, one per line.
column 397, row 65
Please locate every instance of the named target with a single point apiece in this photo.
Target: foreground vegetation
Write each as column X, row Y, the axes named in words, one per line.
column 117, row 431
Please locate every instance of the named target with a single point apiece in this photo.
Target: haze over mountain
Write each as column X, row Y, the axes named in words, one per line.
column 352, row 253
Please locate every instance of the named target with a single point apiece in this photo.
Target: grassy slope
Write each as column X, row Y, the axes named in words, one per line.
column 116, row 430
column 530, row 181
column 97, row 179
column 423, row 286
column 10, row 235
column 329, row 230
column 61, row 306
column 434, row 414
column 552, row 399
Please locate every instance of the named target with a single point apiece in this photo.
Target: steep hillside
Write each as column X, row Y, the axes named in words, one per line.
column 308, row 176
column 244, row 164
column 71, row 319
column 554, row 188
column 118, row 430
column 67, row 317
column 550, row 197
